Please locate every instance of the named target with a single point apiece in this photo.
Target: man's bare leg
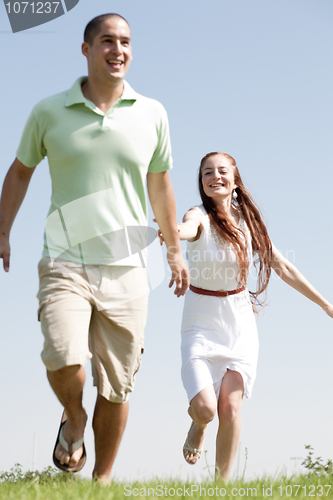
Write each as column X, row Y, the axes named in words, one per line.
column 67, row 384
column 109, row 424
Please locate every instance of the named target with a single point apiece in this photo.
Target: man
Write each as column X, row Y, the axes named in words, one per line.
column 102, row 141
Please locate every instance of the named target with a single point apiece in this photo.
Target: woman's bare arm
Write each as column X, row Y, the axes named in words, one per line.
column 189, row 229
column 292, row 276
column 191, row 226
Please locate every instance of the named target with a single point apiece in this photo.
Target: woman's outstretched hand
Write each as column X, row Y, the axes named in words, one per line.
column 328, row 308
column 160, row 236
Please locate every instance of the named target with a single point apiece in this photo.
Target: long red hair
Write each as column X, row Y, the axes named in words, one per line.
column 261, row 243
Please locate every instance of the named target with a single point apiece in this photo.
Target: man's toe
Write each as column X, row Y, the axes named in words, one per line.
column 62, row 455
column 75, row 457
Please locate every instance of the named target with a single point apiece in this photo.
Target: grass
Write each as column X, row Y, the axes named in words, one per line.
column 50, row 485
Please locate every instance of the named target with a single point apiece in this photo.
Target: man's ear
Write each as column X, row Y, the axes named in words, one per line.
column 85, row 49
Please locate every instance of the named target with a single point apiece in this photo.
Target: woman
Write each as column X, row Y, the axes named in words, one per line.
column 219, row 334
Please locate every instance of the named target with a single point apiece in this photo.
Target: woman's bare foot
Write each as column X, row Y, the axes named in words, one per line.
column 73, row 430
column 194, row 442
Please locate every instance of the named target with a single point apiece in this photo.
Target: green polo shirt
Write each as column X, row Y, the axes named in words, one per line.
column 98, row 164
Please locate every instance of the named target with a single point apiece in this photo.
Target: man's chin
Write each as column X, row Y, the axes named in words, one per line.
column 116, row 77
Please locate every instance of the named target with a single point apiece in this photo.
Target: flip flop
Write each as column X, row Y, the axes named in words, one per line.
column 188, row 447
column 70, row 448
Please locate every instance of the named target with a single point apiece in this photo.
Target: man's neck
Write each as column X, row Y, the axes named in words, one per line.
column 103, row 96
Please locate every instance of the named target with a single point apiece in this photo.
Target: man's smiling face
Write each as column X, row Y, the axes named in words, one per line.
column 110, row 54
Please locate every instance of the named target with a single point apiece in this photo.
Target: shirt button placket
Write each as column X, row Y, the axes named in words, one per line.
column 107, row 121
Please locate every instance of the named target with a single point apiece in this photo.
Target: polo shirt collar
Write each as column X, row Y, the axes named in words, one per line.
column 75, row 96
column 129, row 94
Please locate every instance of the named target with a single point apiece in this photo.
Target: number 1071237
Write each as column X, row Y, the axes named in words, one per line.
column 32, row 7
column 308, row 490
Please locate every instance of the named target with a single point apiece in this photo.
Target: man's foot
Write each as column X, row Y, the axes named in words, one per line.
column 105, row 480
column 192, row 448
column 70, row 456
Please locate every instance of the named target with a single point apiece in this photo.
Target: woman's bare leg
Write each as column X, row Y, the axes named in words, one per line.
column 202, row 410
column 229, row 411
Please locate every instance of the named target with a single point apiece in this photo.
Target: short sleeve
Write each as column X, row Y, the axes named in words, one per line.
column 31, row 150
column 162, row 159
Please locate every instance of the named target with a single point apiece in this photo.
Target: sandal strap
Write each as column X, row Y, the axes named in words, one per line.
column 190, row 448
column 70, row 448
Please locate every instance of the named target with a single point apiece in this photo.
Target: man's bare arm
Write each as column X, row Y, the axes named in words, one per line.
column 164, row 207
column 13, row 192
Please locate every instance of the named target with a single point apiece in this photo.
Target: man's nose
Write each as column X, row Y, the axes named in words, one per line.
column 117, row 48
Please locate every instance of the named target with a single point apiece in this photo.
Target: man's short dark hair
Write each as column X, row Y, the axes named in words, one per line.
column 93, row 27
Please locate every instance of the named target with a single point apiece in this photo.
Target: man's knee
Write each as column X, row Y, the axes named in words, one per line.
column 64, row 370
column 66, row 376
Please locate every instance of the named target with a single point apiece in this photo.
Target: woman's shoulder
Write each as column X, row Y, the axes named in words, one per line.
column 199, row 212
column 200, row 209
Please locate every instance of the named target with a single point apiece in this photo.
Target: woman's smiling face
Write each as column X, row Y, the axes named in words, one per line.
column 218, row 177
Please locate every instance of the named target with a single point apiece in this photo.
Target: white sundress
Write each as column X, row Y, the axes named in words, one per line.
column 218, row 333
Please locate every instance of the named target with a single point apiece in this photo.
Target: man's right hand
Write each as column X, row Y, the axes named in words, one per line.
column 13, row 192
column 179, row 272
column 5, row 252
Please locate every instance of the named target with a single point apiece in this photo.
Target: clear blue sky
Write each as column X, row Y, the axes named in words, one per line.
column 253, row 79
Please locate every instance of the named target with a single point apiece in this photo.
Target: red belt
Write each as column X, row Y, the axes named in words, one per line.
column 217, row 293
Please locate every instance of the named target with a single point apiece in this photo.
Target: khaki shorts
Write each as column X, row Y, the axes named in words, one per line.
column 96, row 312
